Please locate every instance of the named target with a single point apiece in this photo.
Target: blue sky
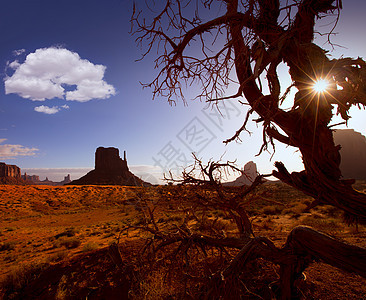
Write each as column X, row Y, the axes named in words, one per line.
column 85, row 44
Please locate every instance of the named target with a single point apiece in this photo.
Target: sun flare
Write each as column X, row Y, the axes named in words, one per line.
column 320, row 86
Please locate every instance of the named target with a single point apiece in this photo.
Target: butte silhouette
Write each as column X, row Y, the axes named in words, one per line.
column 110, row 169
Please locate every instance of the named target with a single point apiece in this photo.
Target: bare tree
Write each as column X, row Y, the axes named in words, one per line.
column 183, row 242
column 249, row 39
column 245, row 43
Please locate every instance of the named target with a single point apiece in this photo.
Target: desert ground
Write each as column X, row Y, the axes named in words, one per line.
column 54, row 242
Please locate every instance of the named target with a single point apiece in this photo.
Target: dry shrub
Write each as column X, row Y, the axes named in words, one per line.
column 19, row 277
column 206, row 224
column 90, row 246
column 62, row 291
column 322, row 224
column 5, row 246
column 154, row 286
column 174, row 274
column 272, row 209
column 295, row 210
column 10, row 228
column 58, row 256
column 68, row 242
column 69, row 232
column 268, row 224
column 330, row 211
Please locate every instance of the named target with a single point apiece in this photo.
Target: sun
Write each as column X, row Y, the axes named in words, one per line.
column 320, row 86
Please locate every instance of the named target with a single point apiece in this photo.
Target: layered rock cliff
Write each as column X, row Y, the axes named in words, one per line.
column 110, row 169
column 353, row 153
column 10, row 174
column 9, row 170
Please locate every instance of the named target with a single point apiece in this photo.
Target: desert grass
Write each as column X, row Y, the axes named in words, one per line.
column 45, row 226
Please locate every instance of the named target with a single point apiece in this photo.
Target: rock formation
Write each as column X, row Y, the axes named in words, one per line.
column 33, row 178
column 353, row 153
column 9, row 170
column 10, row 174
column 66, row 180
column 249, row 175
column 110, row 169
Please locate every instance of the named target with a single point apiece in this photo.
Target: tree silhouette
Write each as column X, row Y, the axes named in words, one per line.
column 246, row 42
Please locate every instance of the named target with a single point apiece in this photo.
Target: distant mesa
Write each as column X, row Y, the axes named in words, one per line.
column 353, row 158
column 247, row 177
column 11, row 174
column 110, row 169
column 353, row 153
column 34, row 179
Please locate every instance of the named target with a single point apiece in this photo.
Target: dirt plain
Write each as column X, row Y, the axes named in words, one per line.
column 54, row 241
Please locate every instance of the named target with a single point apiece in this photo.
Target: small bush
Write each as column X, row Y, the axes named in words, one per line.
column 330, row 211
column 268, row 224
column 154, row 286
column 90, row 246
column 68, row 242
column 296, row 210
column 18, row 279
column 58, row 256
column 69, row 232
column 7, row 246
column 272, row 210
column 324, row 224
column 206, row 224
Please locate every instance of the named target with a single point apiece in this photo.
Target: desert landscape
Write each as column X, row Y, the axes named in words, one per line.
column 55, row 242
column 256, row 191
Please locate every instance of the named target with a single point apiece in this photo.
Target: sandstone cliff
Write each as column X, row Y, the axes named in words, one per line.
column 353, row 153
column 249, row 175
column 110, row 169
column 10, row 174
column 9, row 170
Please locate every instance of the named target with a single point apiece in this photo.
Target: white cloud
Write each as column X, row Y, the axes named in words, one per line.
column 14, row 65
column 47, row 110
column 50, row 110
column 18, row 52
column 46, row 72
column 12, row 151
